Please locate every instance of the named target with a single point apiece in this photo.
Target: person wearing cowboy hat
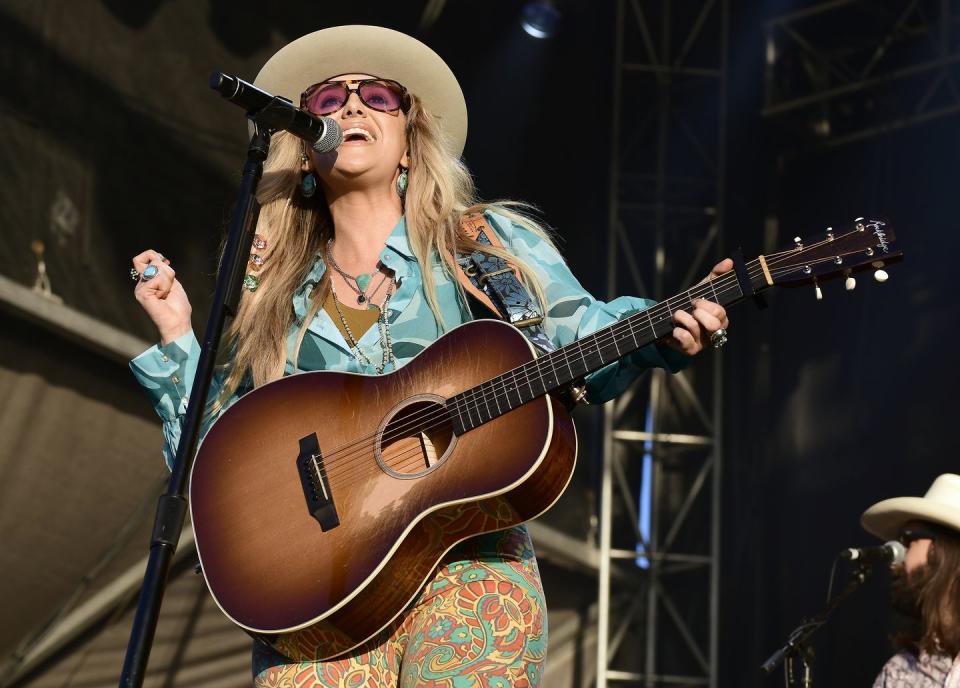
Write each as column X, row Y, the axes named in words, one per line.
column 926, row 587
column 354, row 269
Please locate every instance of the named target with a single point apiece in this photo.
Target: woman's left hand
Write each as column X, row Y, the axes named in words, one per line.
column 693, row 330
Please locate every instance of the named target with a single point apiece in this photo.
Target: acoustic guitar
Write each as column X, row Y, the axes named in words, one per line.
column 323, row 501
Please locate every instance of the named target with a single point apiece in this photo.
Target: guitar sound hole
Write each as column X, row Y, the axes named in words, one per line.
column 416, row 438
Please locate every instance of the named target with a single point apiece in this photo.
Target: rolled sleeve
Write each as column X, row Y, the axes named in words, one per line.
column 573, row 313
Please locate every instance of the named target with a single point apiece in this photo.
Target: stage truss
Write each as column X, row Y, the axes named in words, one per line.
column 895, row 65
column 660, row 491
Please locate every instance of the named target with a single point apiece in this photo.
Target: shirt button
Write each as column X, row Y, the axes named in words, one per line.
column 164, row 358
column 385, row 259
column 175, row 379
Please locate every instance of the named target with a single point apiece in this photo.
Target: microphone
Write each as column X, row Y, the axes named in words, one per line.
column 276, row 112
column 891, row 552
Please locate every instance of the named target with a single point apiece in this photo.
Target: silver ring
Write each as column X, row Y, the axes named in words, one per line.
column 134, row 275
column 718, row 338
column 150, row 272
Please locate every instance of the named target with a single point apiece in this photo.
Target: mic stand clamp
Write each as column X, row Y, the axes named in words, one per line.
column 798, row 647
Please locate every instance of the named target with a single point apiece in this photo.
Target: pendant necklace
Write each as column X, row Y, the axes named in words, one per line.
column 360, row 282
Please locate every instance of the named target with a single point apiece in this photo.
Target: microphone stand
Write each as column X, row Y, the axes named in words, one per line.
column 798, row 648
column 172, row 506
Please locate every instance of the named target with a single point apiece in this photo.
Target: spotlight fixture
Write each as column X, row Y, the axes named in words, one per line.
column 540, row 19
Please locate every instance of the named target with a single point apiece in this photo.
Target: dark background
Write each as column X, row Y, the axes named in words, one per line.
column 112, row 143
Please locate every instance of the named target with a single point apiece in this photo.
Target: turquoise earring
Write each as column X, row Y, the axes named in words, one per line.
column 308, row 186
column 402, row 182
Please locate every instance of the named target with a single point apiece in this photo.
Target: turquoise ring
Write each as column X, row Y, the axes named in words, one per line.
column 150, row 272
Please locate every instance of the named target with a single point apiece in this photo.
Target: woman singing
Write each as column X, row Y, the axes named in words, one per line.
column 354, row 269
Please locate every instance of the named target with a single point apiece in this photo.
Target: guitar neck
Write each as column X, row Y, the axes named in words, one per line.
column 555, row 370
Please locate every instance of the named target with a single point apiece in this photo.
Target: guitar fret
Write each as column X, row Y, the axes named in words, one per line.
column 499, row 387
column 543, row 382
column 547, row 382
column 514, row 390
column 631, row 332
column 653, row 328
column 471, row 407
column 483, row 405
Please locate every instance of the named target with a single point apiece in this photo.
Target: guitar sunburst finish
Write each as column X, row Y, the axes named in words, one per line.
column 323, row 501
column 268, row 563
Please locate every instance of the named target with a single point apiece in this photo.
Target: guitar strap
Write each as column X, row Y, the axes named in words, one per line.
column 497, row 285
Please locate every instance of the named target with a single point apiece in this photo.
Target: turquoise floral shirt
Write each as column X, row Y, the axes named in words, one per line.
column 167, row 372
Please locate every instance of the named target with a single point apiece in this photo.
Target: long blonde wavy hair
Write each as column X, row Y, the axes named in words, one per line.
column 440, row 192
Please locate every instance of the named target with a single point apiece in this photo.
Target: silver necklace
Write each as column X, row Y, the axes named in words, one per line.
column 382, row 324
column 360, row 282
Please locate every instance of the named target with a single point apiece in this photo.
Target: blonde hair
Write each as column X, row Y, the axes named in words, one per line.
column 440, row 192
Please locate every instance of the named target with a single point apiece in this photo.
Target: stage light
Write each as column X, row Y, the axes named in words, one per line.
column 540, row 19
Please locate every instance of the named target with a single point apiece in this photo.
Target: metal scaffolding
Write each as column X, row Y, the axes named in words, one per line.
column 662, row 448
column 895, row 65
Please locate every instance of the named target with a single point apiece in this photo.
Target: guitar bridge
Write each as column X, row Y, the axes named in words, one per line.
column 316, row 487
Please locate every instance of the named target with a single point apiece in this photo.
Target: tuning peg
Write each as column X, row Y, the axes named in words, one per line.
column 850, row 283
column 817, row 290
column 880, row 274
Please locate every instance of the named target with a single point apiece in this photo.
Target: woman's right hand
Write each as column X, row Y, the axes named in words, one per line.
column 162, row 297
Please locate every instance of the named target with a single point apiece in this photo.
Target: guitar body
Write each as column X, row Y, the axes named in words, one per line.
column 404, row 489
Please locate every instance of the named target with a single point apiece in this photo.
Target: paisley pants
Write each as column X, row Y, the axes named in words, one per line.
column 480, row 622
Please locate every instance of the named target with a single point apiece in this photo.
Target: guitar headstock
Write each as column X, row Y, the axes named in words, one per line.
column 866, row 245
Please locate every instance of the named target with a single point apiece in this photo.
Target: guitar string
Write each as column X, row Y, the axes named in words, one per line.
column 662, row 311
column 401, row 462
column 444, row 418
column 407, row 459
column 615, row 332
column 472, row 403
column 344, row 469
column 433, row 418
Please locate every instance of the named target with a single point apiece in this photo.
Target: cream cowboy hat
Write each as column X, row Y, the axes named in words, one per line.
column 941, row 505
column 376, row 51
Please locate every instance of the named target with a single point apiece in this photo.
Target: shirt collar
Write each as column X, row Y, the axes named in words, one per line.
column 397, row 246
column 399, row 240
column 397, row 254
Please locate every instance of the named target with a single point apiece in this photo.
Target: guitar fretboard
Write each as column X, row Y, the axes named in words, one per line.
column 550, row 372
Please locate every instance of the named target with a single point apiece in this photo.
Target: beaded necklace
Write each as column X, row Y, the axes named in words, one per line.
column 385, row 341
